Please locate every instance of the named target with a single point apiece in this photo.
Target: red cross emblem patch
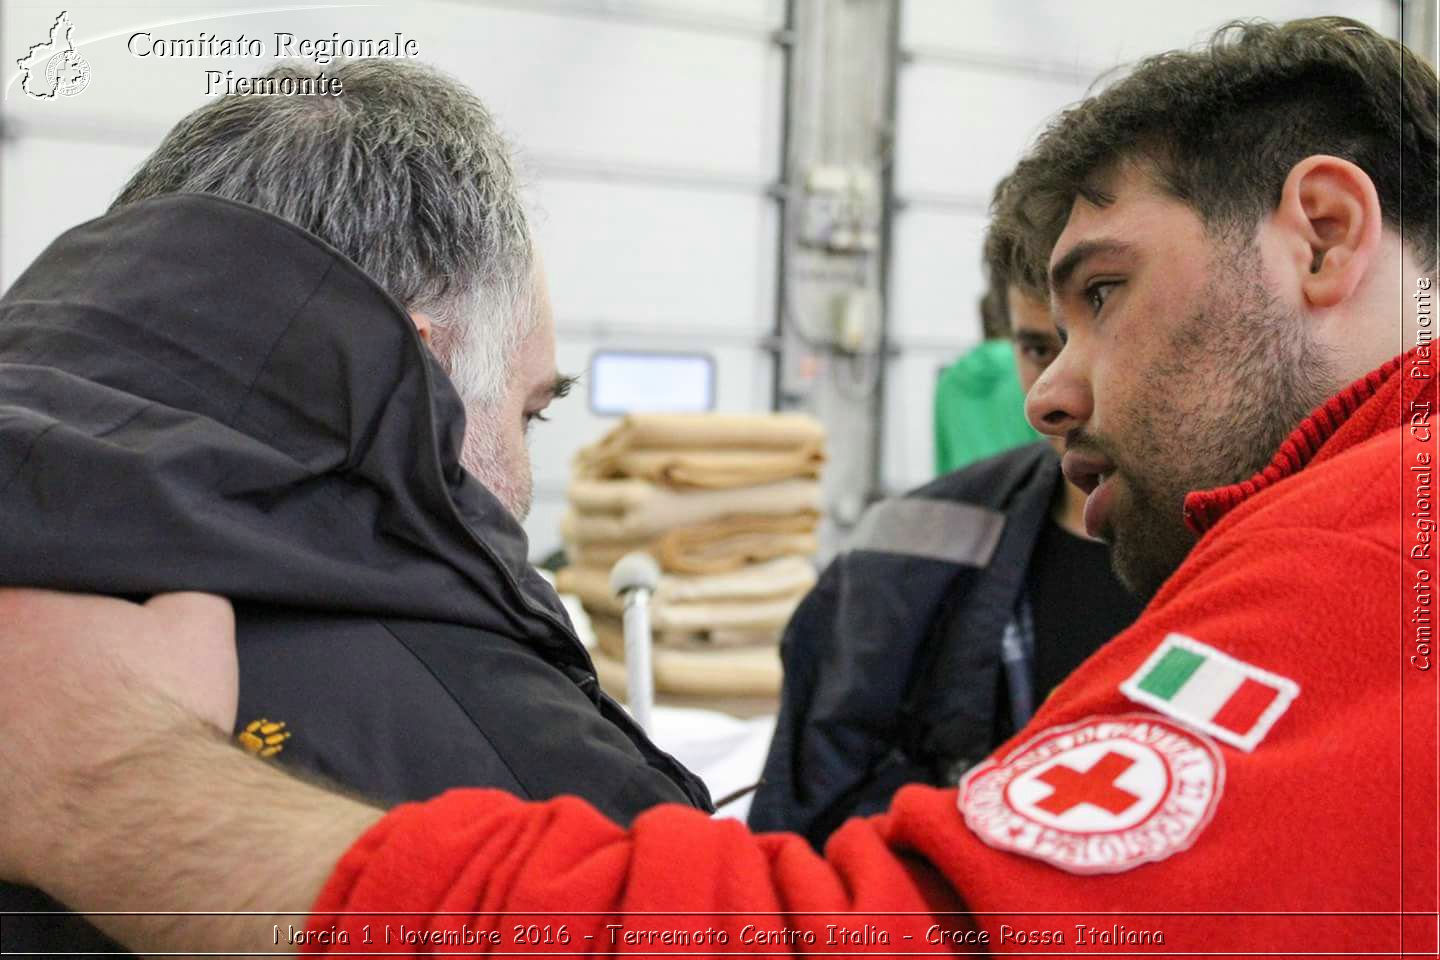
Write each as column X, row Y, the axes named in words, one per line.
column 1099, row 796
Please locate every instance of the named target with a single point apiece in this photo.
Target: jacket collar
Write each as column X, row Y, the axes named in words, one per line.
column 307, row 388
column 1366, row 407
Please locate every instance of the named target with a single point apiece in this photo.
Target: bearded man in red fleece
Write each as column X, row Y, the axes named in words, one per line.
column 1240, row 246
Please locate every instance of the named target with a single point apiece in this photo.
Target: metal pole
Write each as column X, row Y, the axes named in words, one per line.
column 887, row 229
column 783, row 194
column 1420, row 28
column 639, row 671
column 633, row 578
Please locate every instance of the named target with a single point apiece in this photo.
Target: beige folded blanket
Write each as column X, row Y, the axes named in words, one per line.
column 731, row 553
column 635, row 510
column 610, row 635
column 755, row 598
column 774, row 578
column 706, row 617
column 707, row 451
column 705, row 469
column 711, row 431
column 780, row 577
column 714, row 547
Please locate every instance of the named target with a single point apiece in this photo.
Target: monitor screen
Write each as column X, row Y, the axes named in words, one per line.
column 633, row 381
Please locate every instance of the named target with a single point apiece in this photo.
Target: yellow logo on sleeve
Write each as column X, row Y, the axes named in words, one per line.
column 263, row 737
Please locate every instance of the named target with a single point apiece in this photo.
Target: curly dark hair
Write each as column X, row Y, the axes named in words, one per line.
column 1221, row 127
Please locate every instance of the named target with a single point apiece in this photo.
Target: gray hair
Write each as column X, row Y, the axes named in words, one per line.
column 405, row 172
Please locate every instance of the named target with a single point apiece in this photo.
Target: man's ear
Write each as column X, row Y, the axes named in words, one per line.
column 1331, row 212
column 423, row 325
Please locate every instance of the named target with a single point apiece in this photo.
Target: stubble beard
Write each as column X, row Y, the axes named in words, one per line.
column 505, row 474
column 484, row 452
column 1236, row 379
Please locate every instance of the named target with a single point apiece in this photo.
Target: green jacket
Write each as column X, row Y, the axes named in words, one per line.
column 979, row 408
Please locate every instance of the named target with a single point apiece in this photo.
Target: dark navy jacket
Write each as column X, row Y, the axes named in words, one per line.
column 893, row 667
column 195, row 395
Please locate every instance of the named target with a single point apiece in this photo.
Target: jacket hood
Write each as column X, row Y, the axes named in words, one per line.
column 195, row 394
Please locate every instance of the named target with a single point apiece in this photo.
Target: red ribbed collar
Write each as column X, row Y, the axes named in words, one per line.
column 1331, row 429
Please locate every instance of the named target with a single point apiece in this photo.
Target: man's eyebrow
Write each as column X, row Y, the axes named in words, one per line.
column 1035, row 336
column 1062, row 271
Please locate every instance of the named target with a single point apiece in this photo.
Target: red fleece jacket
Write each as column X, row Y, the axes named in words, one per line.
column 1250, row 767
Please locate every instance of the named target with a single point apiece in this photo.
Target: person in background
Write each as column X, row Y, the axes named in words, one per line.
column 953, row 612
column 979, row 400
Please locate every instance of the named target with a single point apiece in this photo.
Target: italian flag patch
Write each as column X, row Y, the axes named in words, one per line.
column 1212, row 691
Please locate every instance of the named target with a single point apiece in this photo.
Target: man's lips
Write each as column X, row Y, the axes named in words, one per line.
column 1086, row 470
column 1092, row 473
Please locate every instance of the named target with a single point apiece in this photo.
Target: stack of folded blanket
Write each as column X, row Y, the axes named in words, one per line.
column 727, row 506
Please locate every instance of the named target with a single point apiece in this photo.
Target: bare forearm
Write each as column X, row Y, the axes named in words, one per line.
column 184, row 822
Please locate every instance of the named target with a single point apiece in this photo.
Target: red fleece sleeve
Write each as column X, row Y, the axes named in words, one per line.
column 505, row 865
column 1316, row 837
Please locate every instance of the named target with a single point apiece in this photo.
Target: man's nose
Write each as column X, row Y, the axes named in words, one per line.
column 1060, row 400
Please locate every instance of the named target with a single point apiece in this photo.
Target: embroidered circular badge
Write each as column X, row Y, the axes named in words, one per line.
column 1099, row 796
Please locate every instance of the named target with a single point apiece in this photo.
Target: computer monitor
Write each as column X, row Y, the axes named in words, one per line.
column 642, row 381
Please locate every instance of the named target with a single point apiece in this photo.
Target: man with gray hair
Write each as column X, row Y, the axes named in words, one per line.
column 406, row 174
column 295, row 364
